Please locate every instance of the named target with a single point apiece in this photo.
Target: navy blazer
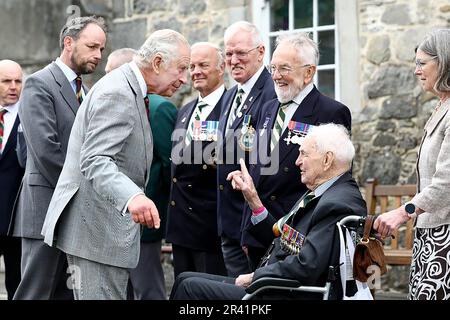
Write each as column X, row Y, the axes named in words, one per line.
column 230, row 202
column 192, row 218
column 317, row 222
column 11, row 174
column 281, row 189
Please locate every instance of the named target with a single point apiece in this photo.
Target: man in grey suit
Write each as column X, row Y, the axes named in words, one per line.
column 99, row 199
column 50, row 101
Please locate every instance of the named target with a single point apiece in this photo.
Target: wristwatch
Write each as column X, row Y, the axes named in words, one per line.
column 410, row 208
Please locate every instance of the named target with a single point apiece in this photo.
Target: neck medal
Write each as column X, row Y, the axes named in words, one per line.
column 247, row 139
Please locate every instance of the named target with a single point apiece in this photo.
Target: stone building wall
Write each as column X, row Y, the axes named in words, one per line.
column 389, row 128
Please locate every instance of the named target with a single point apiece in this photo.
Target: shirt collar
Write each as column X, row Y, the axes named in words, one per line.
column 213, row 98
column 247, row 87
column 320, row 190
column 140, row 78
column 303, row 93
column 69, row 73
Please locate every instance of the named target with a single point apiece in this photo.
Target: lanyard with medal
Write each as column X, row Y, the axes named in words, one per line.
column 247, row 138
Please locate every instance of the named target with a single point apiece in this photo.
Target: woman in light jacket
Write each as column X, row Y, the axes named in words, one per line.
column 430, row 267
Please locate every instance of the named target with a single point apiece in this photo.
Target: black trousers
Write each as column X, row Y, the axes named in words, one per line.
column 186, row 259
column 11, row 250
column 203, row 286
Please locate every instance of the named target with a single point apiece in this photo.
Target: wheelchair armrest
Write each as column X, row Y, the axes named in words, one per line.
column 267, row 281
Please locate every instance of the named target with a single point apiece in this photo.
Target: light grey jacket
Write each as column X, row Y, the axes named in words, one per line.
column 109, row 153
column 48, row 109
column 433, row 170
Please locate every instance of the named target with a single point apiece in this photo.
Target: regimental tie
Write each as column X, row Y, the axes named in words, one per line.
column 278, row 128
column 2, row 126
column 236, row 107
column 147, row 107
column 197, row 113
column 79, row 90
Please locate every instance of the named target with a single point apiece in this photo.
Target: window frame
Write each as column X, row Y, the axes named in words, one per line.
column 261, row 16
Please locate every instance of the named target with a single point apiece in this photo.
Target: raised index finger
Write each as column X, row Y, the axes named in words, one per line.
column 243, row 167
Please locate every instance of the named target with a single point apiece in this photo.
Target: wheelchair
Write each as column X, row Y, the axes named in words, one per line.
column 355, row 224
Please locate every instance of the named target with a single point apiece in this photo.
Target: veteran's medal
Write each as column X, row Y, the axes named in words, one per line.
column 197, row 130
column 247, row 140
column 266, row 122
column 246, row 124
column 203, row 135
column 290, row 127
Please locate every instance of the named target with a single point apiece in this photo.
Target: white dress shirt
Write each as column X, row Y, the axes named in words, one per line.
column 290, row 110
column 70, row 75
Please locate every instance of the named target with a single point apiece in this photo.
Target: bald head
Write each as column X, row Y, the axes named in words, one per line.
column 10, row 82
column 118, row 58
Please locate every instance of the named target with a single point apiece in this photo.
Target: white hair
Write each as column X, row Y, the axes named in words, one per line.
column 220, row 57
column 333, row 138
column 165, row 42
column 246, row 26
column 307, row 49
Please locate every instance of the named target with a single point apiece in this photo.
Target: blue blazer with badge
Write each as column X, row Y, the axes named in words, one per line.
column 281, row 189
column 192, row 218
column 229, row 201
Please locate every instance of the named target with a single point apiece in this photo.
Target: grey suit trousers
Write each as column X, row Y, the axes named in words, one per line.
column 43, row 270
column 97, row 281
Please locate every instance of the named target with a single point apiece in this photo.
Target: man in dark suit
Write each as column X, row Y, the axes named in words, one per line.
column 50, row 101
column 11, row 172
column 309, row 240
column 147, row 279
column 244, row 54
column 282, row 124
column 192, row 219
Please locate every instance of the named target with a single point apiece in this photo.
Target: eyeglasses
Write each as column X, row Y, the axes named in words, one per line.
column 421, row 63
column 239, row 54
column 284, row 70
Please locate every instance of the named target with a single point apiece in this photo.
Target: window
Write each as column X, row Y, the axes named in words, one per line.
column 317, row 17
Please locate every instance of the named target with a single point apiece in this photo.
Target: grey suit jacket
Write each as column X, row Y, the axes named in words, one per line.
column 110, row 150
column 48, row 109
column 433, row 170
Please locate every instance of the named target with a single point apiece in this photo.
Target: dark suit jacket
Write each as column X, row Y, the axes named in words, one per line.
column 10, row 177
column 192, row 220
column 280, row 190
column 47, row 111
column 317, row 221
column 163, row 115
column 231, row 202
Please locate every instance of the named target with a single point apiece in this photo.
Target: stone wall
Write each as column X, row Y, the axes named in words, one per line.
column 389, row 128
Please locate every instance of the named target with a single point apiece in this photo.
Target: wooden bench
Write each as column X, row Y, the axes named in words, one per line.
column 382, row 198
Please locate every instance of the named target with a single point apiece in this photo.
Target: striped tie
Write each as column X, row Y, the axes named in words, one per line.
column 79, row 92
column 236, row 107
column 147, row 106
column 2, row 126
column 197, row 113
column 278, row 129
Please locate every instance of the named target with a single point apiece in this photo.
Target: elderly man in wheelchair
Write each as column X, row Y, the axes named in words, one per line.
column 304, row 245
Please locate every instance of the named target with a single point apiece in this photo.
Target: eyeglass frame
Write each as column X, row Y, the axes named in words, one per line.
column 421, row 63
column 240, row 54
column 287, row 69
